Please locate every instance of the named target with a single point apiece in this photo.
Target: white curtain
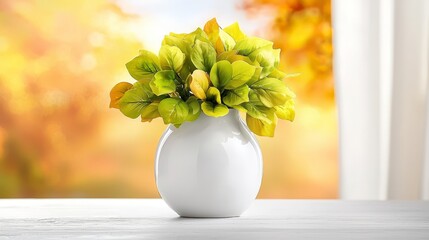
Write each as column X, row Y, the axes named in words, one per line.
column 381, row 56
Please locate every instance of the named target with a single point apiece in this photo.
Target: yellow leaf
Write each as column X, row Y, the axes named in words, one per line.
column 212, row 30
column 214, row 110
column 212, row 27
column 219, row 46
column 261, row 127
column 235, row 32
column 117, row 92
column 214, row 95
column 199, row 84
column 286, row 111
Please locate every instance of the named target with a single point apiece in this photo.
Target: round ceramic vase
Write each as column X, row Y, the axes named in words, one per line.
column 211, row 167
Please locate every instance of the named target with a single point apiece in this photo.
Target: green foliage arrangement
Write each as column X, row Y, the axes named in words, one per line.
column 211, row 70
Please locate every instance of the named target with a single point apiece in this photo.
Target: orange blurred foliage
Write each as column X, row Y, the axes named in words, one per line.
column 58, row 138
column 302, row 29
column 52, row 88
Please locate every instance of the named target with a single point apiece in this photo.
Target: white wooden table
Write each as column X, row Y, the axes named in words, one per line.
column 266, row 219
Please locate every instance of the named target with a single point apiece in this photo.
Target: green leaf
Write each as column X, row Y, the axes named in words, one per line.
column 270, row 91
column 135, row 99
column 290, row 93
column 286, row 111
column 235, row 32
column 198, row 34
column 267, row 57
column 227, row 41
column 144, row 66
column 118, row 92
column 199, row 84
column 221, row 73
column 184, row 43
column 225, row 55
column 203, row 55
column 260, row 127
column 236, row 96
column 248, row 45
column 213, row 94
column 194, row 108
column 163, row 82
column 239, row 108
column 171, row 58
column 256, row 111
column 177, row 40
column 241, row 73
column 150, row 112
column 173, row 110
column 256, row 76
column 237, row 57
column 214, row 110
column 256, row 108
column 232, row 56
column 184, row 74
column 276, row 73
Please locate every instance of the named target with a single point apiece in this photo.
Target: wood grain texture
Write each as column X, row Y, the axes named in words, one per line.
column 266, row 219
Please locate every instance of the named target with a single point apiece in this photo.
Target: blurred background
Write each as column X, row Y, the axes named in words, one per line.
column 59, row 60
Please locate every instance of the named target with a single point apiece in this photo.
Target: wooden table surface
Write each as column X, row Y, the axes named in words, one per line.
column 266, row 219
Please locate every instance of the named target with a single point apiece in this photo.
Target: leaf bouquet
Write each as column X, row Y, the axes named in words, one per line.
column 210, row 70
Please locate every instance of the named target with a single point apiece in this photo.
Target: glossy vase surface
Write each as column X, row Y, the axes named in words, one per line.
column 211, row 167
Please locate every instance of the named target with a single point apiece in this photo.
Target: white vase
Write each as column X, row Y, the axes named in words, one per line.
column 211, row 167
